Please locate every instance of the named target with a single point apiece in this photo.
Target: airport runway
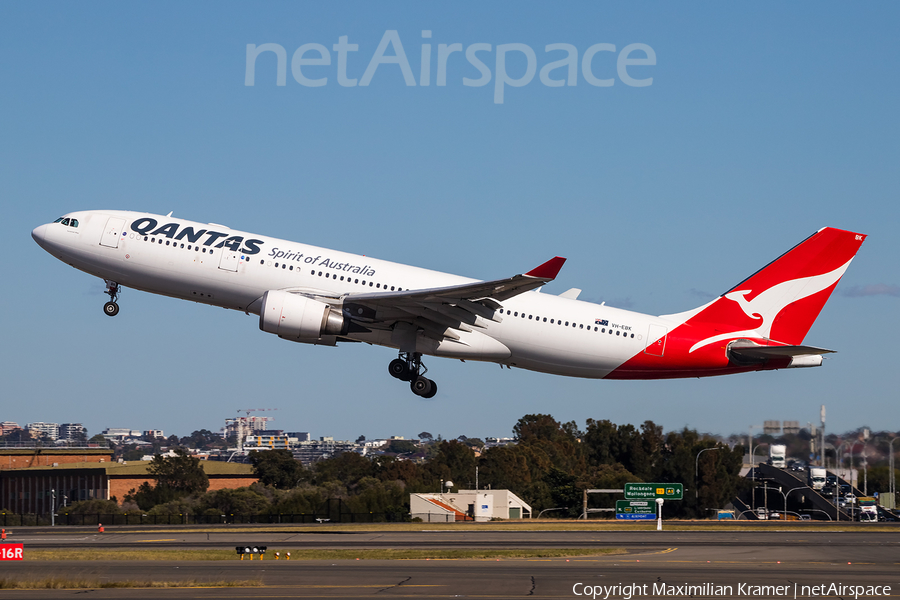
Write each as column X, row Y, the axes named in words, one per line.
column 705, row 558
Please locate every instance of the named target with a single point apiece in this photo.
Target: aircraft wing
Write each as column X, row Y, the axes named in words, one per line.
column 438, row 311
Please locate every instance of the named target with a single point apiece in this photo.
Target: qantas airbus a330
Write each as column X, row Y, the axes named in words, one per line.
column 318, row 296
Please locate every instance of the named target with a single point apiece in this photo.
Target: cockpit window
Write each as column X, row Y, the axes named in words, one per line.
column 59, row 220
column 65, row 221
column 73, row 223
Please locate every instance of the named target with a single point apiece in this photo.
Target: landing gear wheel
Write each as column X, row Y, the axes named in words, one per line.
column 112, row 290
column 399, row 369
column 424, row 387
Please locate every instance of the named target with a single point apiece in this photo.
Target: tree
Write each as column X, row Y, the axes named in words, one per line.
column 181, row 473
column 425, row 436
column 277, row 468
column 402, row 447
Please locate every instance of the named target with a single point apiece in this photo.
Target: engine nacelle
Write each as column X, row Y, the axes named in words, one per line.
column 296, row 317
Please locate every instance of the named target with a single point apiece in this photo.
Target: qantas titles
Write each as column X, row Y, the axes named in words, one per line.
column 175, row 231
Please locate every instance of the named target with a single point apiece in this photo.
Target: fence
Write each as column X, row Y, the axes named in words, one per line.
column 333, row 511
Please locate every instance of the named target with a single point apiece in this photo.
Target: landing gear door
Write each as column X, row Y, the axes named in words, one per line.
column 229, row 260
column 656, row 340
column 113, row 232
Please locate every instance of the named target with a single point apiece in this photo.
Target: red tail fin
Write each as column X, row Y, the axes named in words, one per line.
column 781, row 301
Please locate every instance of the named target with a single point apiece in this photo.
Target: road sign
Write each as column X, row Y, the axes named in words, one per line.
column 644, row 491
column 635, row 510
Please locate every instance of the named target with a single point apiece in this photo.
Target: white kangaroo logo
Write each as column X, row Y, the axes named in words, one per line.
column 767, row 305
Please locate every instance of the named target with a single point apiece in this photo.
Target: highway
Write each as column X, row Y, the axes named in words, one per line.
column 782, row 556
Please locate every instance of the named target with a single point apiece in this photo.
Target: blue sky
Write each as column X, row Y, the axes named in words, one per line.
column 763, row 123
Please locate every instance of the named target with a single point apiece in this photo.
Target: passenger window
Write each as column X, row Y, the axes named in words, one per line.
column 327, row 276
column 182, row 245
column 378, row 286
column 392, row 288
column 204, row 251
column 283, row 265
column 618, row 332
column 356, row 281
column 529, row 317
column 276, row 265
column 516, row 314
column 545, row 319
column 567, row 323
column 370, row 284
column 364, row 282
column 581, row 327
column 167, row 242
column 291, row 268
column 342, row 277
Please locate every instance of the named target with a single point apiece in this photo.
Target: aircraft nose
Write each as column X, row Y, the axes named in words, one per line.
column 39, row 233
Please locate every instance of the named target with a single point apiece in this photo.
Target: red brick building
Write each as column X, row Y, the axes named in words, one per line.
column 29, row 490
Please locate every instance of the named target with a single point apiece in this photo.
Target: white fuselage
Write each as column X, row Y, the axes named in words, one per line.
column 535, row 331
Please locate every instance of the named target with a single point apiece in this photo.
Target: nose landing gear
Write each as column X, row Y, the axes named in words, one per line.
column 112, row 289
column 409, row 367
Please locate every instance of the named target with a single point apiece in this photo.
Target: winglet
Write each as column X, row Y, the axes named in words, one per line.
column 549, row 270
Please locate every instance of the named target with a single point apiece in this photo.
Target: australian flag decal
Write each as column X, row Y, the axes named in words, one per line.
column 601, row 322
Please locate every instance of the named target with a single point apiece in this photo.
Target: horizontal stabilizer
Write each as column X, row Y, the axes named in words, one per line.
column 756, row 353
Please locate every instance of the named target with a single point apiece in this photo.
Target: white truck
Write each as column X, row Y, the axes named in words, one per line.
column 776, row 455
column 817, row 477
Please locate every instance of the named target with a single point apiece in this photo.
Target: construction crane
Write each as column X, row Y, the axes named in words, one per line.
column 250, row 410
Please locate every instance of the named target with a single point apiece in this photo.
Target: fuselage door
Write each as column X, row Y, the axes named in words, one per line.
column 229, row 260
column 113, row 232
column 656, row 340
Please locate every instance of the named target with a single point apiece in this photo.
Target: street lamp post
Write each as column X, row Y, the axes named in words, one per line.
column 893, row 477
column 752, row 470
column 697, row 471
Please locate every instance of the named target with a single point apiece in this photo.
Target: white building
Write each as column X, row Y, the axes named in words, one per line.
column 468, row 505
column 70, row 431
column 41, row 429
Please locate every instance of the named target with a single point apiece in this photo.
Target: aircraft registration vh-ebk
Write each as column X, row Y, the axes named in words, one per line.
column 317, row 296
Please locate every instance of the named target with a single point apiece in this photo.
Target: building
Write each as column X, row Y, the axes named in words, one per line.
column 8, row 427
column 71, row 431
column 30, row 490
column 301, row 436
column 313, row 451
column 266, row 442
column 153, row 433
column 40, row 429
column 468, row 505
column 120, row 434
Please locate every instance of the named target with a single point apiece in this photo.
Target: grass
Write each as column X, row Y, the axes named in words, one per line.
column 316, row 554
column 58, row 583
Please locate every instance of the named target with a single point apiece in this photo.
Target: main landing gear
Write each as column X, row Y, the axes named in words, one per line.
column 409, row 368
column 112, row 289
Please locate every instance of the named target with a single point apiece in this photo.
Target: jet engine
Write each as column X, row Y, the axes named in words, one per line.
column 299, row 318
